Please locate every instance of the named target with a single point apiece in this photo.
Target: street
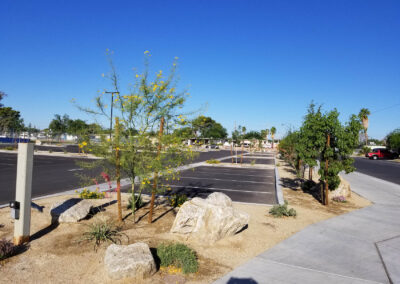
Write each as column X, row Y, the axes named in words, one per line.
column 382, row 169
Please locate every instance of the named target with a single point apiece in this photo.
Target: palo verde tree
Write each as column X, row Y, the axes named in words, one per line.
column 144, row 149
column 364, row 117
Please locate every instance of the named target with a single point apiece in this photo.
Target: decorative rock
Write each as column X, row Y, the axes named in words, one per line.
column 134, row 260
column 209, row 219
column 70, row 211
column 343, row 189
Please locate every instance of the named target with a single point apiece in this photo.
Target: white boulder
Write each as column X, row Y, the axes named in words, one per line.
column 70, row 211
column 343, row 189
column 209, row 219
column 134, row 261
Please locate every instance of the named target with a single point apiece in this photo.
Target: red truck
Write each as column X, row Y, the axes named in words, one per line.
column 379, row 153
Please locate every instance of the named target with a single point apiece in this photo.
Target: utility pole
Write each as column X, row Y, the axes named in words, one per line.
column 235, row 145
column 111, row 115
column 118, row 168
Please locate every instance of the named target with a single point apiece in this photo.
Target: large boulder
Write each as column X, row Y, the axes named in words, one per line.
column 209, row 219
column 134, row 261
column 70, row 211
column 343, row 189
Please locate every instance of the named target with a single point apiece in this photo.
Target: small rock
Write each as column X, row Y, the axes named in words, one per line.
column 209, row 219
column 70, row 211
column 134, row 261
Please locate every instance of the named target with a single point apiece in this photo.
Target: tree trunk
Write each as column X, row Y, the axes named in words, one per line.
column 133, row 207
column 310, row 170
column 155, row 180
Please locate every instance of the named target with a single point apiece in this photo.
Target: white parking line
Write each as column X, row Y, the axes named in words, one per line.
column 226, row 173
column 74, row 170
column 220, row 179
column 222, row 189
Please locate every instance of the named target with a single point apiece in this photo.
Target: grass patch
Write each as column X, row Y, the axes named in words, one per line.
column 213, row 161
column 179, row 256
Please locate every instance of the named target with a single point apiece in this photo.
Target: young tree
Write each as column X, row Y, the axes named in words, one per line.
column 141, row 110
column 340, row 142
column 310, row 139
column 363, row 115
column 10, row 120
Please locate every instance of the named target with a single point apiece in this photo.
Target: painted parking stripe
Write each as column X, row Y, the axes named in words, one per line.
column 226, row 173
column 220, row 189
column 220, row 179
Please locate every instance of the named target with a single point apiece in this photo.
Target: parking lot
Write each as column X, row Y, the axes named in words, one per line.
column 253, row 183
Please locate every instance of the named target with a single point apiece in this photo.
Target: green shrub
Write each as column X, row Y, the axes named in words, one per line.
column 87, row 194
column 176, row 200
column 7, row 249
column 102, row 231
column 9, row 148
column 253, row 162
column 365, row 150
column 138, row 202
column 178, row 255
column 213, row 161
column 282, row 210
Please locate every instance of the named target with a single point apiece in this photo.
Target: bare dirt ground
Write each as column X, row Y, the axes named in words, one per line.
column 55, row 254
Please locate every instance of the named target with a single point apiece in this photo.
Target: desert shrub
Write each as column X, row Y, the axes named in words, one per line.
column 176, row 200
column 102, row 231
column 7, row 249
column 253, row 162
column 9, row 148
column 50, row 151
column 213, row 161
column 87, row 194
column 138, row 202
column 178, row 255
column 282, row 210
column 340, row 199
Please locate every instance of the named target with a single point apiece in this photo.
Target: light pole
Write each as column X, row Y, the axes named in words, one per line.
column 112, row 104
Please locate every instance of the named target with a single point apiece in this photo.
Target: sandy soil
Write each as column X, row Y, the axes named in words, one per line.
column 55, row 254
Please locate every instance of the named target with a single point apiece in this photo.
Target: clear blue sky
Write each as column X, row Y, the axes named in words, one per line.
column 259, row 63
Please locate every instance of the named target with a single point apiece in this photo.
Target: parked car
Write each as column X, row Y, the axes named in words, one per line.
column 379, row 153
column 212, row 146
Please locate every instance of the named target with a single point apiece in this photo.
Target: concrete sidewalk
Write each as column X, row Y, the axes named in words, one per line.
column 362, row 246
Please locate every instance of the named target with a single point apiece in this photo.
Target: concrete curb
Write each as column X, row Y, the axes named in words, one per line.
column 278, row 188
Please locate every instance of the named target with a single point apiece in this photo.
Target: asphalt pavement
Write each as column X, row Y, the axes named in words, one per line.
column 388, row 170
column 249, row 185
column 57, row 174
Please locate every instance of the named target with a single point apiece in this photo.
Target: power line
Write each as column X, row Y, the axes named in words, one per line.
column 382, row 109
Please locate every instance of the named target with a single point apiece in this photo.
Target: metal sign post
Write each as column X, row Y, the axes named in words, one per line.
column 21, row 207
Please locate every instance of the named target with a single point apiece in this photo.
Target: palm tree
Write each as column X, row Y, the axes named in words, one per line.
column 363, row 115
column 273, row 131
column 266, row 135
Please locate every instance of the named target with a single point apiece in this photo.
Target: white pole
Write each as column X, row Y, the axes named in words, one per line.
column 23, row 193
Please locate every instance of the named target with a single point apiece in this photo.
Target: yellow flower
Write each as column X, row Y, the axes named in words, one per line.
column 84, row 143
column 137, row 76
column 176, row 58
column 146, row 52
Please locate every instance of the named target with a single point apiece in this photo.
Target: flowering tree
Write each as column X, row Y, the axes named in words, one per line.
column 140, row 110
